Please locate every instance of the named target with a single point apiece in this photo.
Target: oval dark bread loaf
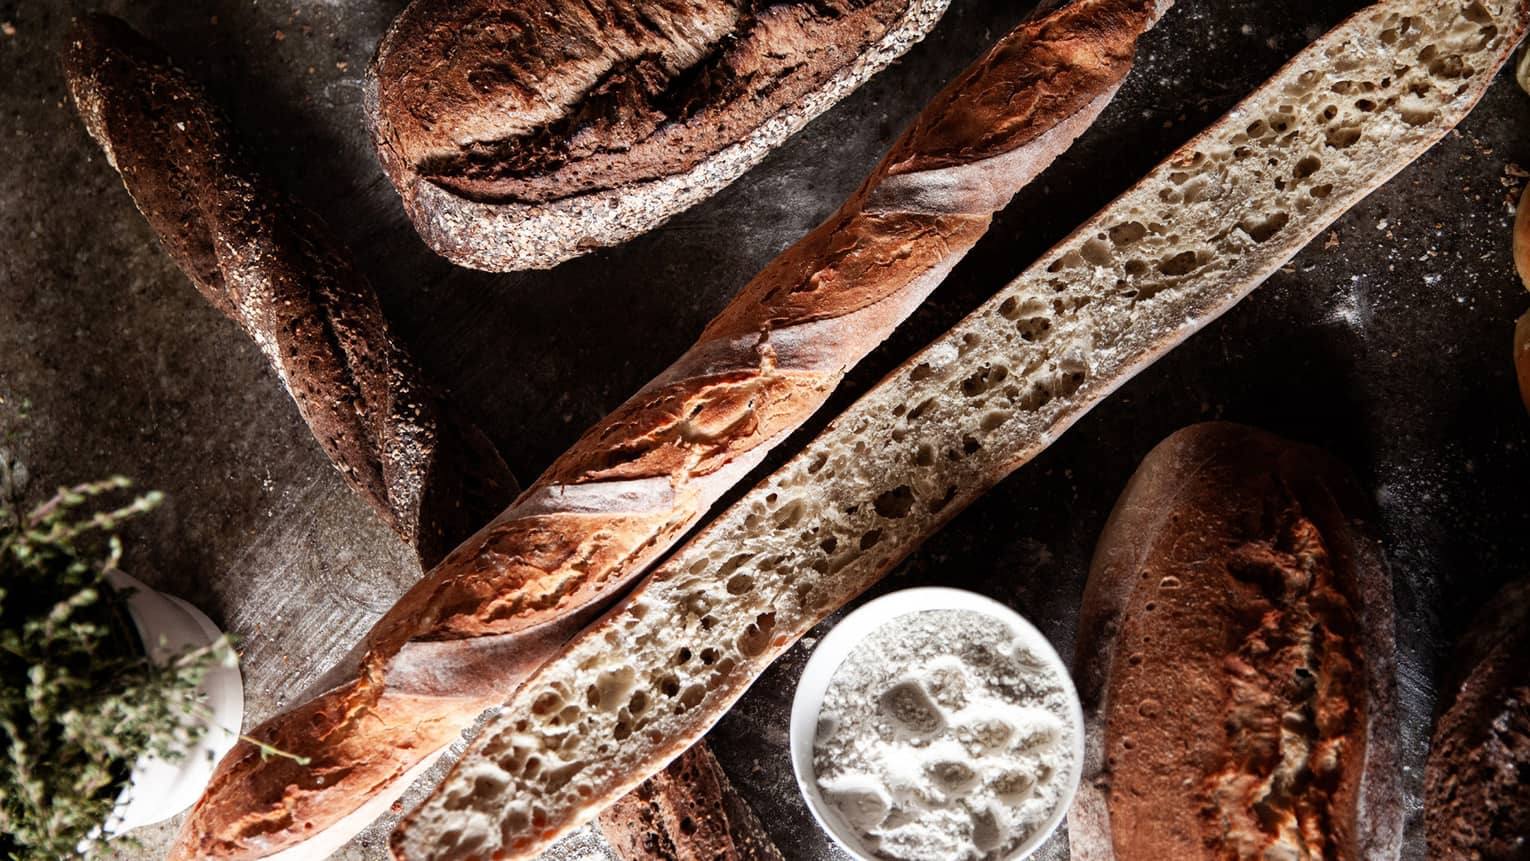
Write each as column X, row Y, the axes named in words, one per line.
column 1477, row 781
column 1183, row 245
column 630, row 487
column 521, row 133
column 273, row 267
column 1236, row 662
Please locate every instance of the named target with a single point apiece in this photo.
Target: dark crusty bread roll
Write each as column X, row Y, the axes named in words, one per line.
column 1235, row 660
column 632, row 485
column 687, row 812
column 1477, row 781
column 272, row 267
column 521, row 133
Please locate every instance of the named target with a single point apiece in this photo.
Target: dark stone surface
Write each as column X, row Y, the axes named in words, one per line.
column 1387, row 342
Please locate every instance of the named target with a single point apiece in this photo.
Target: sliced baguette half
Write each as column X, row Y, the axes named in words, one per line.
column 1196, row 235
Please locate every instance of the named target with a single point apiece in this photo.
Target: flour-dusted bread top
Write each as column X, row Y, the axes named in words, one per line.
column 496, row 116
column 1236, row 659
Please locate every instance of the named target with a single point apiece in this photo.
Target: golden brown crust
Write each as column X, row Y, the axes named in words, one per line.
column 633, row 484
column 687, row 812
column 1476, row 796
column 1235, row 653
column 271, row 266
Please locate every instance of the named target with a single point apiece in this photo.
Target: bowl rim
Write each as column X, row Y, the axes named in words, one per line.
column 851, row 631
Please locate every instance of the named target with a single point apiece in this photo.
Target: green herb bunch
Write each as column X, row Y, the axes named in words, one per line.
column 80, row 701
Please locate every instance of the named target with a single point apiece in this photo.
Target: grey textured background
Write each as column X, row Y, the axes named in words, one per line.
column 1386, row 342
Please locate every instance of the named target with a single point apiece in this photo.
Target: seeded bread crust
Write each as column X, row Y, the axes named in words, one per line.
column 1236, row 663
column 1178, row 249
column 505, row 600
column 687, row 812
column 521, row 133
column 1476, row 796
column 273, row 268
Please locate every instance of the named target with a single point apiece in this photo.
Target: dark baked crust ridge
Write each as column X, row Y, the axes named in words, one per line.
column 687, row 162
column 687, row 812
column 1477, row 780
column 1228, row 548
column 645, row 117
column 272, row 266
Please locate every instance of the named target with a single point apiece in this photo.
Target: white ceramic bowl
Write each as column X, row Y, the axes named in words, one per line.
column 849, row 633
column 159, row 789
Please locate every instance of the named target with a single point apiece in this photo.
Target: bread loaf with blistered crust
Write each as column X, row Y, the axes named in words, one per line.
column 273, row 268
column 1197, row 234
column 632, row 485
column 1236, row 661
column 521, row 133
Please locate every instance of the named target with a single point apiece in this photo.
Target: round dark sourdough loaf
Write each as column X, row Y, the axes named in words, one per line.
column 272, row 266
column 521, row 133
column 1477, row 781
column 1235, row 659
column 632, row 485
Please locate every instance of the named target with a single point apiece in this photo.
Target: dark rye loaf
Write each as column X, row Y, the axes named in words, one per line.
column 272, row 266
column 1235, row 660
column 1477, row 781
column 521, row 133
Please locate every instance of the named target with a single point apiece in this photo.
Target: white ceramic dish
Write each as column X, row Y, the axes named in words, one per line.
column 842, row 640
column 159, row 789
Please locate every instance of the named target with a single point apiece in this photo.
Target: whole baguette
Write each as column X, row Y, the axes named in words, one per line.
column 1182, row 246
column 1236, row 662
column 272, row 267
column 504, row 602
column 1476, row 795
column 521, row 133
column 687, row 812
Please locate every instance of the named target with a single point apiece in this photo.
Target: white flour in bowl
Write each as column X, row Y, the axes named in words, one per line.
column 944, row 736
